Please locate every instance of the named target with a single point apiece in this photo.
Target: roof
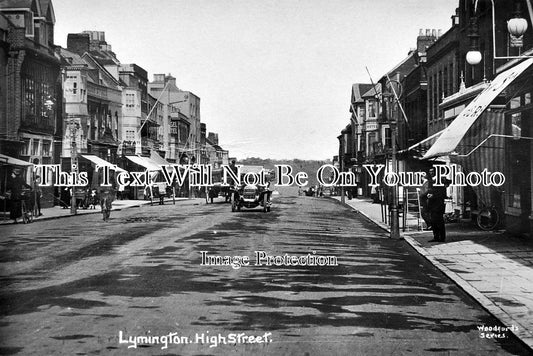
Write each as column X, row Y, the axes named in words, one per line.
column 19, row 4
column 372, row 91
column 109, row 78
column 404, row 67
column 70, row 58
column 47, row 10
column 357, row 90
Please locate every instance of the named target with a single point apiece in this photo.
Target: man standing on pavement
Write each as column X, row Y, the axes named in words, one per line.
column 436, row 207
column 424, row 210
column 38, row 194
column 15, row 187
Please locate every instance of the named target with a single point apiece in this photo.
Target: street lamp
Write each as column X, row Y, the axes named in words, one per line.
column 473, row 56
column 516, row 26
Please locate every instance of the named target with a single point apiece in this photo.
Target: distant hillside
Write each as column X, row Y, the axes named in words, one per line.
column 298, row 165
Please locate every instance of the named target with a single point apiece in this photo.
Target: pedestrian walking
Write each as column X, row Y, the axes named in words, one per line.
column 65, row 195
column 120, row 192
column 38, row 194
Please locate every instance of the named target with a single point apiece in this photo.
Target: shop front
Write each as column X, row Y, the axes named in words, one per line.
column 519, row 155
column 498, row 139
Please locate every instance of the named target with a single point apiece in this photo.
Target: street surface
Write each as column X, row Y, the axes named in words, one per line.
column 81, row 286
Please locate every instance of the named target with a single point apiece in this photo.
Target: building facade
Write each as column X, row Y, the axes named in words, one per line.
column 31, row 108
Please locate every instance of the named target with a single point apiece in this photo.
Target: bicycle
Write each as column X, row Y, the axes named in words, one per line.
column 488, row 218
column 491, row 216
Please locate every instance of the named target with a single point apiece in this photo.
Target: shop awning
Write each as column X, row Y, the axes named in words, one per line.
column 7, row 160
column 154, row 156
column 102, row 163
column 145, row 162
column 453, row 134
column 425, row 144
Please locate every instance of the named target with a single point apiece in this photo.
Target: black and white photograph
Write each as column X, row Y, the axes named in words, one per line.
column 266, row 177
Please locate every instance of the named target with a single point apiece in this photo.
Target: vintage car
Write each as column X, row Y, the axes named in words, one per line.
column 251, row 195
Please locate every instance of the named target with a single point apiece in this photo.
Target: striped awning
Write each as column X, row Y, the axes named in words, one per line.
column 154, row 156
column 102, row 163
column 145, row 162
column 474, row 157
column 454, row 133
column 11, row 161
column 422, row 146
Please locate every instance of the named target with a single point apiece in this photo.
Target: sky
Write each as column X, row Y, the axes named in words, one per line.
column 274, row 76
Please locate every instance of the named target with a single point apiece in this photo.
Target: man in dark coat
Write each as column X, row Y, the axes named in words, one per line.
column 436, row 207
column 15, row 186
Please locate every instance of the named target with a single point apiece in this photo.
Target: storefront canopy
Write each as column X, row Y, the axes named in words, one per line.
column 145, row 162
column 102, row 163
column 453, row 134
column 154, row 156
column 7, row 160
column 423, row 145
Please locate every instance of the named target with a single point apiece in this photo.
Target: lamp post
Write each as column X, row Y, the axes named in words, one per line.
column 395, row 217
column 73, row 126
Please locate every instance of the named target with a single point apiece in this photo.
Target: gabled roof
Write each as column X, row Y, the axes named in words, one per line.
column 104, row 58
column 70, row 58
column 404, row 67
column 94, row 64
column 47, row 10
column 357, row 90
column 372, row 91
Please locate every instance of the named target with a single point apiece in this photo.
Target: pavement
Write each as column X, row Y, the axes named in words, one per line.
column 58, row 212
column 495, row 268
